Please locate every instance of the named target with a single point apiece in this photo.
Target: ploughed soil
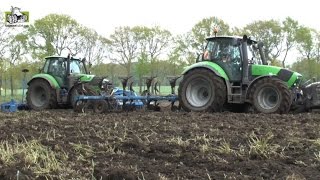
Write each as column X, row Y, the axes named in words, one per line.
column 62, row 144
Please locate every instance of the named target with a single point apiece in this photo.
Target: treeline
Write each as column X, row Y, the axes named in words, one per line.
column 146, row 51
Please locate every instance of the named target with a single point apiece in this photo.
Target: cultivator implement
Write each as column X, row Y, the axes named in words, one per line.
column 128, row 100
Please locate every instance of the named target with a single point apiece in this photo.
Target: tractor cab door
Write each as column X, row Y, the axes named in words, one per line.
column 225, row 51
column 57, row 67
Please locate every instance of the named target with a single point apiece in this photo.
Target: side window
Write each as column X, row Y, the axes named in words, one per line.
column 235, row 54
column 253, row 55
column 75, row 67
column 46, row 66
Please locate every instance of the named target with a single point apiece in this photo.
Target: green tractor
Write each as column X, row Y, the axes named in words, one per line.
column 233, row 74
column 60, row 81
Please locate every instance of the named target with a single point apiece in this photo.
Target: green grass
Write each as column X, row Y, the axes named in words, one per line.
column 17, row 95
column 164, row 90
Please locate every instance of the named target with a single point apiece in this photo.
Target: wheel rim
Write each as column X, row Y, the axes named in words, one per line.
column 39, row 97
column 268, row 98
column 199, row 92
column 99, row 106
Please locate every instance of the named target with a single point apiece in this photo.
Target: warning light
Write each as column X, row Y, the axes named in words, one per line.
column 215, row 31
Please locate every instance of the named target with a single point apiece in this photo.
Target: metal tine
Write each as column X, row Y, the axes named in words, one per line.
column 172, row 81
column 149, row 82
column 124, row 81
column 156, row 87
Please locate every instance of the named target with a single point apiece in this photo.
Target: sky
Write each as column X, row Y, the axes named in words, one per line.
column 177, row 16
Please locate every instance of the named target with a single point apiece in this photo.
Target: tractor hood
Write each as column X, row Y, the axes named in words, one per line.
column 288, row 76
column 85, row 77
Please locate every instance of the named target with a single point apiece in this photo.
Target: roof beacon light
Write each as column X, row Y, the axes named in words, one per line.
column 215, row 31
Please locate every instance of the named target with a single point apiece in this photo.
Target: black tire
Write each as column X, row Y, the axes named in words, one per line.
column 202, row 90
column 41, row 95
column 271, row 95
column 100, row 106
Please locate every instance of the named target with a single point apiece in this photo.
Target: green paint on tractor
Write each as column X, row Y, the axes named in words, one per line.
column 86, row 77
column 209, row 65
column 260, row 70
column 53, row 82
column 293, row 78
column 265, row 70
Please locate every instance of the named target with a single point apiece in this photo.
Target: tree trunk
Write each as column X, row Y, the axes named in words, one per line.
column 5, row 86
column 284, row 59
column 11, row 84
column 140, row 84
column 0, row 85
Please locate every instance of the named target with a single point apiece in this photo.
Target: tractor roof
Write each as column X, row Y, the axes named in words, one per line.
column 49, row 57
column 231, row 37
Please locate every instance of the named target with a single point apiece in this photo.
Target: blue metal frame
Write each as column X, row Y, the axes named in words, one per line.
column 171, row 98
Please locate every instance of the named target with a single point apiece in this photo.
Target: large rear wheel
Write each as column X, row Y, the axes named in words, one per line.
column 41, row 95
column 271, row 95
column 202, row 90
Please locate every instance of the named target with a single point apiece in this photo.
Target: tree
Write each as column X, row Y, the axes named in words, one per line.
column 290, row 27
column 183, row 50
column 305, row 41
column 124, row 47
column 270, row 33
column 204, row 29
column 153, row 43
column 189, row 46
column 142, row 68
column 317, row 45
column 308, row 68
column 4, row 35
column 93, row 46
column 53, row 34
column 17, row 48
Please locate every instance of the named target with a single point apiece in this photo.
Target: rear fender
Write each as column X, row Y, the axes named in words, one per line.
column 213, row 67
column 50, row 79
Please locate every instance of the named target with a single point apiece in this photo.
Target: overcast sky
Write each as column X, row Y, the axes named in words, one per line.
column 178, row 16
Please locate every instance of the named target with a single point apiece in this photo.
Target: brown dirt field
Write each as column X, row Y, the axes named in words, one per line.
column 61, row 144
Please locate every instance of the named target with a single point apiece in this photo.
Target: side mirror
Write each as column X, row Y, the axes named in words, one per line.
column 39, row 70
column 199, row 57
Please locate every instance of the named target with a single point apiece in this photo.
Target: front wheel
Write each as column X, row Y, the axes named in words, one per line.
column 202, row 90
column 271, row 95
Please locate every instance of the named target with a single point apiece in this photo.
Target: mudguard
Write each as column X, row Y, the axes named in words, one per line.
column 208, row 65
column 50, row 79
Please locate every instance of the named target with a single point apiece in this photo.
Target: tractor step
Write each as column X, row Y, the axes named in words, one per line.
column 236, row 94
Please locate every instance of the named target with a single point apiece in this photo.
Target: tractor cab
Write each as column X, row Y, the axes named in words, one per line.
column 228, row 53
column 62, row 69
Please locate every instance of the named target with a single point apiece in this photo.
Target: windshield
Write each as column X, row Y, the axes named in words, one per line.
column 253, row 54
column 76, row 67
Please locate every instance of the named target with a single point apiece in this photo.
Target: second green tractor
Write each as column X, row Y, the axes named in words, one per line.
column 233, row 74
